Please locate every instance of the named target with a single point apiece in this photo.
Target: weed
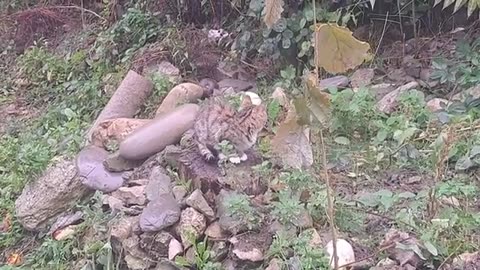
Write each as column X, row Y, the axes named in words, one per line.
column 238, row 206
column 298, row 250
column 202, row 257
column 288, row 209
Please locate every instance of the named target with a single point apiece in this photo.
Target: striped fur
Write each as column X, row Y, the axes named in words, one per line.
column 218, row 121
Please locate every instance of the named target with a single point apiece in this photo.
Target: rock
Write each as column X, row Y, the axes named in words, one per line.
column 473, row 93
column 64, row 221
column 113, row 203
column 135, row 256
column 381, row 90
column 166, row 265
column 214, row 231
column 402, row 256
column 362, row 77
column 160, row 214
column 280, row 96
column 338, row 82
column 198, row 202
column 228, row 223
column 156, row 135
column 158, row 184
column 389, row 102
column 130, row 95
column 243, row 179
column 192, row 224
column 116, row 163
column 174, row 248
column 123, row 228
column 219, row 251
column 303, row 220
column 237, row 85
column 345, row 253
column 437, row 104
column 115, row 130
column 275, row 264
column 166, row 69
column 65, row 233
column 386, row 262
column 135, row 263
column 92, row 172
column 179, row 192
column 254, row 98
column 156, row 245
column 131, row 195
column 467, row 261
column 55, row 191
column 180, row 94
column 315, row 239
column 250, row 246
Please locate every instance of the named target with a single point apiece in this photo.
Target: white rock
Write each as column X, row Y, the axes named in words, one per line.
column 256, row 100
column 174, row 248
column 345, row 253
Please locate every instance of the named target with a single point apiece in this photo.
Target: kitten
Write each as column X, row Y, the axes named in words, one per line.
column 218, row 121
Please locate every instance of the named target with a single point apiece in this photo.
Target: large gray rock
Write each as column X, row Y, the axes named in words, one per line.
column 159, row 214
column 165, row 130
column 92, row 171
column 55, row 191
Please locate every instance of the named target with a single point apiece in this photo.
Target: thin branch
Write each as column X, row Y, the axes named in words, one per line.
column 79, row 8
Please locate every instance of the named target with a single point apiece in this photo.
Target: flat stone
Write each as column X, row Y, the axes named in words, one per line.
column 192, row 223
column 131, row 195
column 338, row 82
column 197, row 201
column 92, row 172
column 160, row 214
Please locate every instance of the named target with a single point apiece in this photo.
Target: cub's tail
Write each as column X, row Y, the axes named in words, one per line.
column 208, row 152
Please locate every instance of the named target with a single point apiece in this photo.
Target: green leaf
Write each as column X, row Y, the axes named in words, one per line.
column 431, row 248
column 342, row 140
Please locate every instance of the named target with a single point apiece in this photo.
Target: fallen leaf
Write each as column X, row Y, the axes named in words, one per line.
column 290, row 145
column 6, row 224
column 317, row 101
column 336, row 50
column 273, row 12
column 14, row 259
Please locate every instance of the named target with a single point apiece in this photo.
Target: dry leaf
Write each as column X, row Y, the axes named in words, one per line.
column 318, row 101
column 336, row 50
column 290, row 145
column 472, row 6
column 273, row 12
column 6, row 224
column 14, row 259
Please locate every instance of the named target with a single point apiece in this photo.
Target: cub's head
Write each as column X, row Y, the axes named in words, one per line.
column 253, row 107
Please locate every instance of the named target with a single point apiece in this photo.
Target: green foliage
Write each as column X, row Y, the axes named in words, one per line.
column 238, row 206
column 52, row 254
column 464, row 71
column 289, row 38
column 130, row 33
column 298, row 250
column 354, row 113
column 202, row 257
column 288, row 209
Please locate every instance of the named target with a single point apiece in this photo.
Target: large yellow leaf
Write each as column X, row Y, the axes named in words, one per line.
column 336, row 50
column 273, row 12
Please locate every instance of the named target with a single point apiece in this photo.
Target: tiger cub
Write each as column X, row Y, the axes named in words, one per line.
column 217, row 121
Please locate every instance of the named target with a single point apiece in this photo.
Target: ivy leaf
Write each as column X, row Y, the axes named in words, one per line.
column 273, row 12
column 336, row 50
column 342, row 140
column 472, row 6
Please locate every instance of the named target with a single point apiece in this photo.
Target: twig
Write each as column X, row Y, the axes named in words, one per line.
column 330, row 198
column 449, row 256
column 381, row 38
column 79, row 8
